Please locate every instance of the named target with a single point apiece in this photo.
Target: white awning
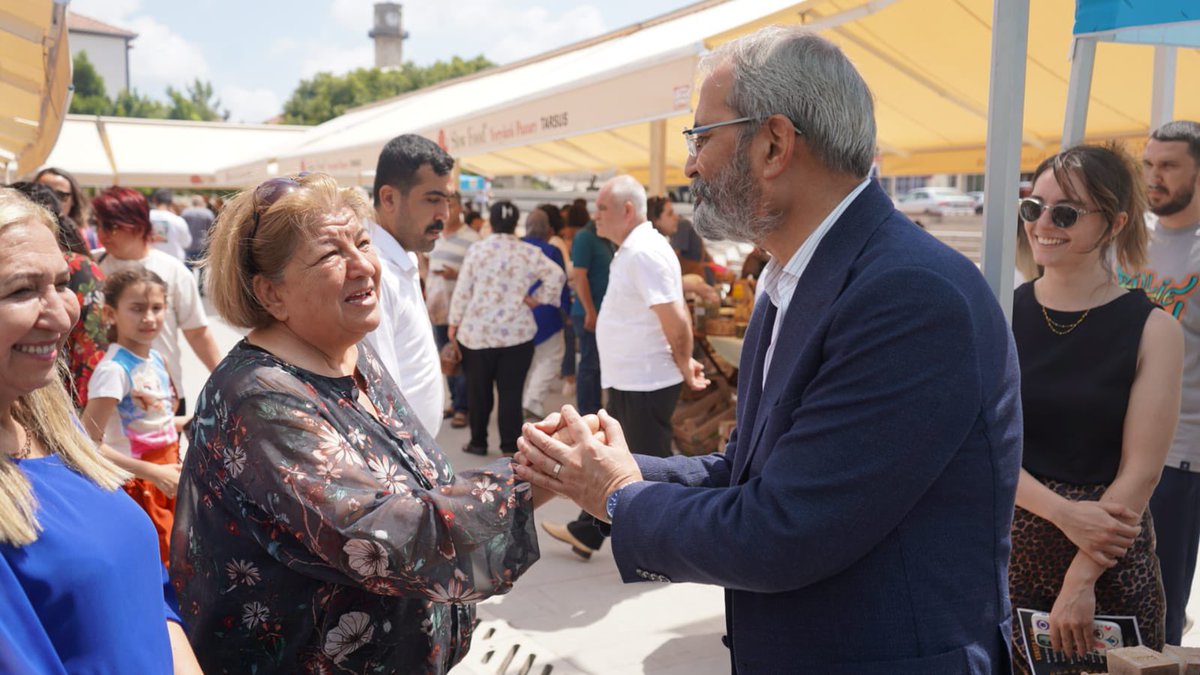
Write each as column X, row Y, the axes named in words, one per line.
column 553, row 113
column 35, row 80
column 103, row 151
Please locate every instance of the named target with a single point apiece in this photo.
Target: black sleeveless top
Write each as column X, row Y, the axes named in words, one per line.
column 1075, row 387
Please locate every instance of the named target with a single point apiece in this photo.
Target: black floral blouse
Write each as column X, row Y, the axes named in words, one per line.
column 312, row 538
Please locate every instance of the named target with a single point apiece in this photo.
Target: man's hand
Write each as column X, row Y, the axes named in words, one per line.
column 694, row 376
column 1103, row 531
column 447, row 273
column 589, row 321
column 588, row 467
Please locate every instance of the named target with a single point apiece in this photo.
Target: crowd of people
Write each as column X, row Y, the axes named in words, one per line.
column 908, row 467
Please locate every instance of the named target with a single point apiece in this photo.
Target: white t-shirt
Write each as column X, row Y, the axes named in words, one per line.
column 404, row 338
column 185, row 310
column 634, row 352
column 145, row 415
column 171, row 233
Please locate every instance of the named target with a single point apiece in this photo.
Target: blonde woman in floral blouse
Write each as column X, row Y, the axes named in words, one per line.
column 491, row 315
column 318, row 527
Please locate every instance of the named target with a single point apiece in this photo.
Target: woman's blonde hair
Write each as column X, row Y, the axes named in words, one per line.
column 241, row 248
column 48, row 414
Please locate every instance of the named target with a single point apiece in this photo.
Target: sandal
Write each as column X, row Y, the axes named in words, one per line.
column 458, row 420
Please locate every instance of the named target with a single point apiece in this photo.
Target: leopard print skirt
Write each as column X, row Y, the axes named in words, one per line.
column 1041, row 554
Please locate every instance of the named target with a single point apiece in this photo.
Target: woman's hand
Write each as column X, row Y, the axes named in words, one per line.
column 1103, row 531
column 1072, row 618
column 165, row 477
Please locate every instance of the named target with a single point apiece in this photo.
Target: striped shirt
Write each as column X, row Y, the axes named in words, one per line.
column 448, row 252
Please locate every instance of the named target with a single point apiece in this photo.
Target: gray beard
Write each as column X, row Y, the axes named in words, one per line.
column 729, row 205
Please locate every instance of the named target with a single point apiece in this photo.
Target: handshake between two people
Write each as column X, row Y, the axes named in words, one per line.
column 581, row 457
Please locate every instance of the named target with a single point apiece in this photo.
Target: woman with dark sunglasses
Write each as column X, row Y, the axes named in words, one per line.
column 1100, row 387
column 73, row 207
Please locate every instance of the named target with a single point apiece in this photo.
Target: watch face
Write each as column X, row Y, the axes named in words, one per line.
column 611, row 504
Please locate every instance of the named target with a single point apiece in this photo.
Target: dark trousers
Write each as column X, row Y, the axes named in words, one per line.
column 568, row 362
column 1175, row 507
column 645, row 418
column 456, row 383
column 503, row 368
column 587, row 378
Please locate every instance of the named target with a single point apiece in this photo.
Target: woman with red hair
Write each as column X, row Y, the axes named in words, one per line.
column 123, row 226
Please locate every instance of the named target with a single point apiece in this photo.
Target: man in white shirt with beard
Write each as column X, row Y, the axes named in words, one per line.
column 413, row 184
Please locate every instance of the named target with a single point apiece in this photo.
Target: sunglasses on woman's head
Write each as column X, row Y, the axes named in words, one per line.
column 1061, row 215
column 265, row 195
column 269, row 192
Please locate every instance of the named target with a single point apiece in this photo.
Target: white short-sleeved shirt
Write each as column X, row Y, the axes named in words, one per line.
column 634, row 352
column 404, row 339
column 185, row 310
column 171, row 233
column 145, row 416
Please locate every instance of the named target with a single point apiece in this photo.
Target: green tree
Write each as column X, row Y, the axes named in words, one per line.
column 327, row 96
column 197, row 103
column 90, row 97
column 132, row 104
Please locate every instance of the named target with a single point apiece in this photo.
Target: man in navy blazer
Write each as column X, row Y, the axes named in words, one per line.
column 859, row 518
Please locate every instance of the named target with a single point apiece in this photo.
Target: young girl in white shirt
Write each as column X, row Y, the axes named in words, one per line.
column 132, row 380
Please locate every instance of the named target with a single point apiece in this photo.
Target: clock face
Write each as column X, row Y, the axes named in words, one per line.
column 392, row 19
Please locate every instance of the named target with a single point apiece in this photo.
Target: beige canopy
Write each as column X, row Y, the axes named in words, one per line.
column 35, row 79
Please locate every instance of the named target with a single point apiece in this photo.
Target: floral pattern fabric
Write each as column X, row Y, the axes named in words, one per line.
column 311, row 536
column 489, row 301
column 87, row 341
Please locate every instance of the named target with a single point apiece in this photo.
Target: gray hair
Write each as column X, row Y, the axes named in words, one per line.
column 796, row 73
column 537, row 225
column 626, row 188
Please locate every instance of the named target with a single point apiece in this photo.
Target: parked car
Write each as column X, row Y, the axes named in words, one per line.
column 977, row 197
column 936, row 201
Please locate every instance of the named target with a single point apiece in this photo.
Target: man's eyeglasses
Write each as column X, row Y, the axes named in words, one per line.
column 265, row 196
column 689, row 135
column 1062, row 215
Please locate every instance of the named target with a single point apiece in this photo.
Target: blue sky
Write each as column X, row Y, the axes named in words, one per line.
column 255, row 52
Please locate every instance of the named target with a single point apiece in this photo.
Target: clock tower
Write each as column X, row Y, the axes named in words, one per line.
column 389, row 35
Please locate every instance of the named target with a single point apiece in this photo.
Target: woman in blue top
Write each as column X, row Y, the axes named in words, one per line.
column 82, row 589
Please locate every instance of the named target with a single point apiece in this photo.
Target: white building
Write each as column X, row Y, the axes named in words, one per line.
column 107, row 47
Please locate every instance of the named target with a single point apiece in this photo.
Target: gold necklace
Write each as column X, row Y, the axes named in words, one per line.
column 1062, row 328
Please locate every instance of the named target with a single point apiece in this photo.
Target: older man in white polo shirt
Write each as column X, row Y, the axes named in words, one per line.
column 643, row 335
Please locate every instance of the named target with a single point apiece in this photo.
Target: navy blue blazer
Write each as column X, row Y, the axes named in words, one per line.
column 859, row 519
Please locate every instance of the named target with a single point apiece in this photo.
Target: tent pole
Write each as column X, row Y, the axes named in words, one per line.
column 658, row 157
column 1162, row 102
column 1006, row 106
column 1079, row 90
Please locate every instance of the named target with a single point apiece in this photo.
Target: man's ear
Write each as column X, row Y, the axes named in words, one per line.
column 389, row 198
column 781, row 139
column 269, row 297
